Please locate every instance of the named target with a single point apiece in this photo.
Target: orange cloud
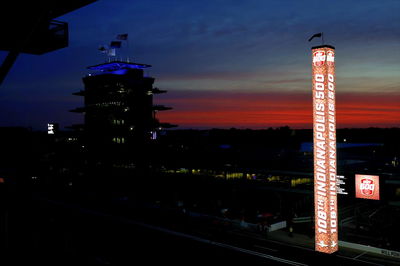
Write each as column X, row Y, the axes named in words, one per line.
column 274, row 109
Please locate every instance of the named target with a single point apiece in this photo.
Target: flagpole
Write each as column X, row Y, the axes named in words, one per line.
column 322, row 35
column 121, row 38
column 127, row 44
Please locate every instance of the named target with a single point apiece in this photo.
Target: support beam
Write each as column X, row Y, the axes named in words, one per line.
column 7, row 64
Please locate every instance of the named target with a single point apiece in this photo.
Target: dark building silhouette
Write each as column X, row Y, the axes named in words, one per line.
column 120, row 123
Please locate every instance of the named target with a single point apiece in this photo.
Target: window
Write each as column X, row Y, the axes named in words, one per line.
column 118, row 140
column 118, row 122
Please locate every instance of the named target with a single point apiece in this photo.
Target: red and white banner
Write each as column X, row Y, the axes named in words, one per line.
column 367, row 187
column 324, row 116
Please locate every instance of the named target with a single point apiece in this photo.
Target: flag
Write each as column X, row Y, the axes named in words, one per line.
column 111, row 52
column 315, row 35
column 122, row 36
column 115, row 44
column 103, row 48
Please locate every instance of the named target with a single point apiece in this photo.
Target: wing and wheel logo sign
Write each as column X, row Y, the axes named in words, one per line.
column 319, row 58
column 330, row 58
column 367, row 187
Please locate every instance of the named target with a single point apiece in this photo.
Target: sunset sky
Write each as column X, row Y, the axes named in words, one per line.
column 225, row 63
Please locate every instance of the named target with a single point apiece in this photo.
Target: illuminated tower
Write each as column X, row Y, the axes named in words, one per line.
column 120, row 121
column 325, row 172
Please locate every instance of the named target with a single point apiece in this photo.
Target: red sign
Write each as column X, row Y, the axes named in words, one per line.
column 330, row 59
column 319, row 58
column 367, row 187
column 324, row 116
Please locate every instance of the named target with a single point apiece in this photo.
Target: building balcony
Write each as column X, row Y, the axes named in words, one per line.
column 158, row 91
column 161, row 108
column 79, row 93
column 166, row 125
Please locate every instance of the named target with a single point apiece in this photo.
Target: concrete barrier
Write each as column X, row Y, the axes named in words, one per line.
column 299, row 220
column 277, row 226
column 374, row 250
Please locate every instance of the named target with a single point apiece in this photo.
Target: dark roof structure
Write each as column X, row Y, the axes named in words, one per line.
column 29, row 27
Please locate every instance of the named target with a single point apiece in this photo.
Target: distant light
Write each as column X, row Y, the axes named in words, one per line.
column 153, row 135
column 34, row 177
column 50, row 129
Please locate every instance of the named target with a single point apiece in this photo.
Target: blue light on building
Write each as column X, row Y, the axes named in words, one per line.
column 117, row 65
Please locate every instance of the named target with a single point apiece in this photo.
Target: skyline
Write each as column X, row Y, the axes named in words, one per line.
column 224, row 63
